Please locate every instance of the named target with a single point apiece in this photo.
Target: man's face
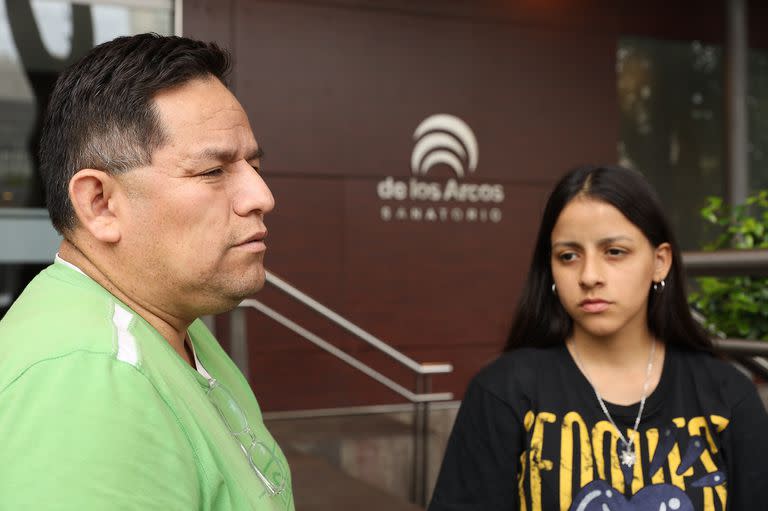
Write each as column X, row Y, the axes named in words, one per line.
column 192, row 232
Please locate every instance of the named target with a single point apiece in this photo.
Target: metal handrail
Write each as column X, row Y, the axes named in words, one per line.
column 730, row 263
column 354, row 411
column 750, row 353
column 742, row 347
column 421, row 399
column 431, row 368
column 345, row 357
column 727, row 263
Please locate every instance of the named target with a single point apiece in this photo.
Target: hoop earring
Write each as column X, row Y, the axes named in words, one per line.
column 659, row 286
column 554, row 289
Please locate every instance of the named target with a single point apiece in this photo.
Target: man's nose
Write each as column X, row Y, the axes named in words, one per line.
column 252, row 194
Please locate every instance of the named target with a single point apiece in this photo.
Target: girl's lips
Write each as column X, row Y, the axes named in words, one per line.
column 594, row 305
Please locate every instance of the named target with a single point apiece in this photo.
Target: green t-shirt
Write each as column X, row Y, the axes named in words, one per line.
column 97, row 411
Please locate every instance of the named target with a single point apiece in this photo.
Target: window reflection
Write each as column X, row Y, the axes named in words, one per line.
column 757, row 108
column 671, row 121
column 671, row 100
column 38, row 39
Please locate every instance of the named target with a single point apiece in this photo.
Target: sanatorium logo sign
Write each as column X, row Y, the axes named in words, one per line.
column 441, row 139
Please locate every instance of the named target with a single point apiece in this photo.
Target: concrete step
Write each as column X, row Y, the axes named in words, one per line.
column 375, row 451
column 319, row 486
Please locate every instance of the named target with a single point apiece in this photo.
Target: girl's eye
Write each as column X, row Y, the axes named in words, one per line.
column 615, row 252
column 567, row 256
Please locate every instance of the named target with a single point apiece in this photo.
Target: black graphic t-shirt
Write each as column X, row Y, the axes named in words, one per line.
column 530, row 436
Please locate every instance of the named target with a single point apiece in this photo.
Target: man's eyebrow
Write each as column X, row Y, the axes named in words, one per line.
column 227, row 154
column 256, row 154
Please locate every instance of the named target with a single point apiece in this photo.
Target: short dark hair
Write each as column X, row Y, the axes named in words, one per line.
column 541, row 319
column 101, row 113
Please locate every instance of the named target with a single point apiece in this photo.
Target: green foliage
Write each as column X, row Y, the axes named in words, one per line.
column 736, row 306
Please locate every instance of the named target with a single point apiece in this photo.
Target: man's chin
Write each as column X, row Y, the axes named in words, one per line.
column 225, row 302
column 247, row 291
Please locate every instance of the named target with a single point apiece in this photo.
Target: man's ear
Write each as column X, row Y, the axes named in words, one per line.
column 662, row 261
column 92, row 194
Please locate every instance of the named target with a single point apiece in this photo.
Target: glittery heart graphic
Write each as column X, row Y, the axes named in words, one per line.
column 600, row 496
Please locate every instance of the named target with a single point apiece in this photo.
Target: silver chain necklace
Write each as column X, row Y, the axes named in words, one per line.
column 627, row 455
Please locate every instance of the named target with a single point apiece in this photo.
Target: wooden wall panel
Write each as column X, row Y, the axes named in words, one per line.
column 441, row 291
column 680, row 20
column 305, row 248
column 209, row 20
column 285, row 380
column 582, row 15
column 306, row 233
column 349, row 86
column 689, row 20
column 437, row 283
column 334, row 91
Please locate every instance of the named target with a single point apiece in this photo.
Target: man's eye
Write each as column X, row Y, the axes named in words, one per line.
column 212, row 173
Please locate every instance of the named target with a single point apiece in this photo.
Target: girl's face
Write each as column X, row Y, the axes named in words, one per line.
column 604, row 267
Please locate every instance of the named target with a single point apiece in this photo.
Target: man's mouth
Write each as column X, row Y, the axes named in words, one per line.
column 254, row 242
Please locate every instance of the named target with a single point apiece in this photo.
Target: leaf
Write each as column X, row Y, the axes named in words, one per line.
column 735, row 306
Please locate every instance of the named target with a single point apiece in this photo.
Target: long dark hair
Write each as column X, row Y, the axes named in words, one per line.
column 542, row 321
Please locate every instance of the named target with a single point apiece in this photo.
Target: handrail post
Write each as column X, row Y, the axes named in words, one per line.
column 421, row 442
column 737, row 117
column 238, row 342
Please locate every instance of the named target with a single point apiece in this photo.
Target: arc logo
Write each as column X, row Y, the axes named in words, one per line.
column 444, row 138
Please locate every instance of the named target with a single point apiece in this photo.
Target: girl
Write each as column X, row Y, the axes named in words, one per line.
column 608, row 397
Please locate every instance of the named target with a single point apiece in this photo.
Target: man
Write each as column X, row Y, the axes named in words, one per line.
column 113, row 394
